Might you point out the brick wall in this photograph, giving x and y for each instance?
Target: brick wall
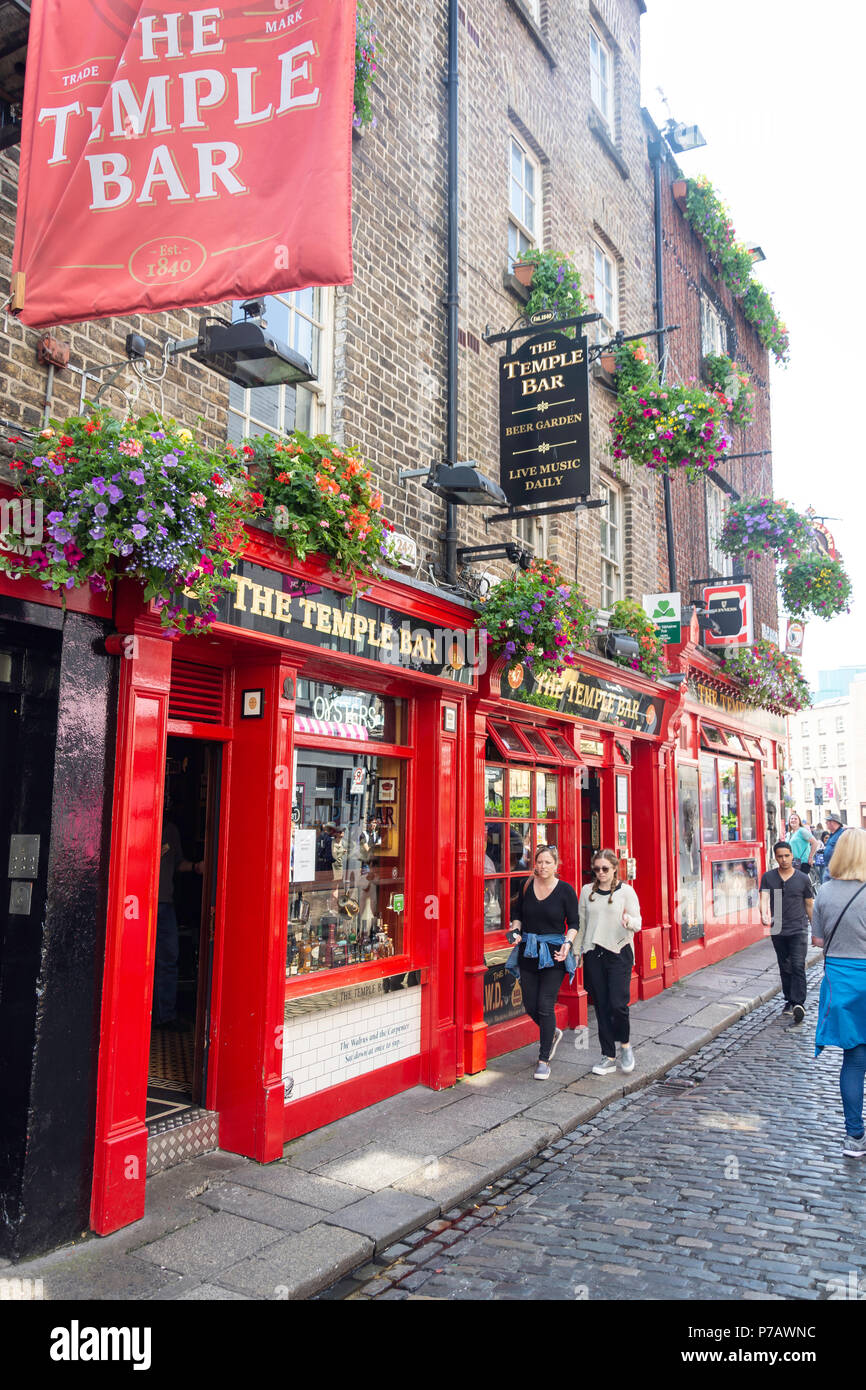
(687, 274)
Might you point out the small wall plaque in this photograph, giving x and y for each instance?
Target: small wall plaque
(252, 704)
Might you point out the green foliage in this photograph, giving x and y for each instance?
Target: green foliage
(665, 427)
(555, 285)
(709, 217)
(732, 388)
(321, 499)
(536, 618)
(814, 583)
(139, 499)
(754, 525)
(366, 68)
(627, 615)
(767, 679)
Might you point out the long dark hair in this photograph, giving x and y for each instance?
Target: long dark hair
(611, 858)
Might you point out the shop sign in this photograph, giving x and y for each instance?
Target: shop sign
(592, 747)
(593, 698)
(731, 607)
(150, 138)
(794, 635)
(280, 605)
(503, 997)
(665, 610)
(544, 420)
(720, 700)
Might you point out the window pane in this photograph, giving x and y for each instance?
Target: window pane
(303, 337)
(728, 790)
(520, 847)
(747, 801)
(709, 802)
(546, 791)
(277, 316)
(529, 178)
(516, 161)
(236, 427)
(493, 849)
(529, 214)
(517, 199)
(494, 894)
(493, 803)
(520, 788)
(303, 300)
(547, 835)
(347, 895)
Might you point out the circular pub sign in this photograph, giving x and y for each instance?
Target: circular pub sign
(515, 676)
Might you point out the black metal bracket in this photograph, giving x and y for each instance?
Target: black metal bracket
(721, 579)
(506, 550)
(518, 513)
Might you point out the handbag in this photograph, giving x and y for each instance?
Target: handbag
(828, 939)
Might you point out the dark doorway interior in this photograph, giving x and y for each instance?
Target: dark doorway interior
(590, 823)
(177, 1071)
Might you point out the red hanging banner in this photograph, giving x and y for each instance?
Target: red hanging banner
(182, 154)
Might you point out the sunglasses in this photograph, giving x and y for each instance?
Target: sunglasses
(603, 869)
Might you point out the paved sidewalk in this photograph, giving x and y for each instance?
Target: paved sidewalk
(224, 1227)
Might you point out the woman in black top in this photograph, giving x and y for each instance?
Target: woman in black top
(545, 925)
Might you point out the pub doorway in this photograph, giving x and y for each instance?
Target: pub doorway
(590, 821)
(180, 1023)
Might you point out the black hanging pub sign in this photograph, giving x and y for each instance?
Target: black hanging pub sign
(544, 420)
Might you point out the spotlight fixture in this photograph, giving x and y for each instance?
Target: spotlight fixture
(464, 484)
(614, 643)
(245, 354)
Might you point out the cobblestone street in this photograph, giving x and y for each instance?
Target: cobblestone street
(724, 1181)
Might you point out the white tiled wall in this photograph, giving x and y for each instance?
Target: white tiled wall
(321, 1050)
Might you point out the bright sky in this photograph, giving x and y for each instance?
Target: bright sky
(778, 101)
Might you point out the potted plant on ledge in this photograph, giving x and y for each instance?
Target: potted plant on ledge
(554, 283)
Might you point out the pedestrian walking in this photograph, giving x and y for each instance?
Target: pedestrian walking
(609, 917)
(836, 827)
(544, 928)
(839, 926)
(804, 844)
(787, 899)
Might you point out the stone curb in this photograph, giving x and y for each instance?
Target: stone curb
(594, 1104)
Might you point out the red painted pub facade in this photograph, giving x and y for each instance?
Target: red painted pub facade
(361, 798)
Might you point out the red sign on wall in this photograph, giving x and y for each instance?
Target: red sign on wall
(182, 154)
(730, 607)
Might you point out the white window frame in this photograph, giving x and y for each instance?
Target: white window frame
(601, 76)
(822, 755)
(242, 415)
(605, 287)
(714, 333)
(534, 8)
(807, 756)
(717, 507)
(523, 232)
(533, 532)
(611, 544)
(841, 755)
(840, 724)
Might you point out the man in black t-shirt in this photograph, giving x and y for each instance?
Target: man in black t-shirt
(786, 907)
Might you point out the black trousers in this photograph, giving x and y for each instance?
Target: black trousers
(540, 989)
(791, 955)
(607, 976)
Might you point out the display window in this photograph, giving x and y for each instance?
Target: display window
(728, 811)
(348, 844)
(522, 809)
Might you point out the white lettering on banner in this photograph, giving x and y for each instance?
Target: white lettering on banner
(178, 102)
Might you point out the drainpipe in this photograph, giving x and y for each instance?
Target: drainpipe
(452, 297)
(656, 154)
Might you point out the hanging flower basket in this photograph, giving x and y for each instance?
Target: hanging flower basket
(732, 388)
(628, 616)
(141, 499)
(321, 499)
(765, 678)
(756, 525)
(535, 617)
(813, 583)
(554, 284)
(668, 428)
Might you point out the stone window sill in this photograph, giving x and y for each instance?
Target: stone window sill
(602, 135)
(512, 283)
(534, 30)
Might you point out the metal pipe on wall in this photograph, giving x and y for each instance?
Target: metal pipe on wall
(656, 154)
(452, 296)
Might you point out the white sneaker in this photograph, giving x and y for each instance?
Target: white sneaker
(557, 1039)
(542, 1072)
(605, 1066)
(626, 1057)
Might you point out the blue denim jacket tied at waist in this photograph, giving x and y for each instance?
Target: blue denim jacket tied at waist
(538, 947)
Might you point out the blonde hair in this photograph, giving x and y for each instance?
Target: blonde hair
(849, 857)
(611, 858)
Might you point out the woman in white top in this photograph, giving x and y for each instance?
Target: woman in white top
(609, 917)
